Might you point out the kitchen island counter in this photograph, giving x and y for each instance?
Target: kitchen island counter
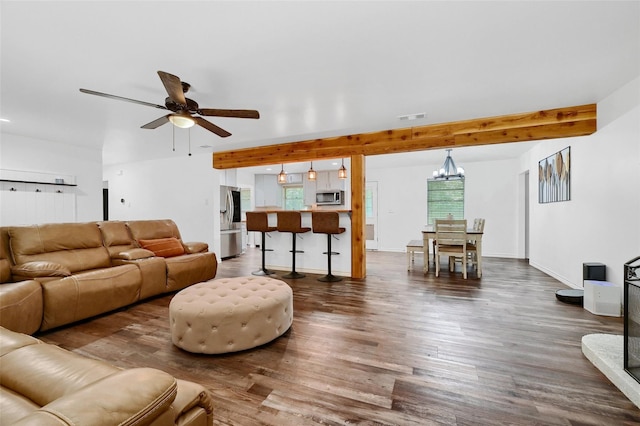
(267, 210)
(312, 261)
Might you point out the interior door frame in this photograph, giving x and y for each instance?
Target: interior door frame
(373, 220)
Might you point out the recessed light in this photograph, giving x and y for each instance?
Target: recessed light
(205, 146)
(5, 120)
(412, 116)
(268, 169)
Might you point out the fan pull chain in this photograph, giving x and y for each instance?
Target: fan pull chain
(189, 142)
(173, 131)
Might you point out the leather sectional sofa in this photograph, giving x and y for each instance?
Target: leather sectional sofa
(56, 274)
(42, 384)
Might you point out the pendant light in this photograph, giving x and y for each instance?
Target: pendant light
(311, 174)
(342, 171)
(282, 176)
(449, 169)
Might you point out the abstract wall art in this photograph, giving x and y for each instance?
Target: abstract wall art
(554, 177)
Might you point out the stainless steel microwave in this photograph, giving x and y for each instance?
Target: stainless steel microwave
(329, 197)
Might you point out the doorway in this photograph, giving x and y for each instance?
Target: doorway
(371, 213)
(105, 200)
(526, 215)
(523, 225)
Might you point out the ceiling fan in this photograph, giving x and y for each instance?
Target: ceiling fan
(182, 108)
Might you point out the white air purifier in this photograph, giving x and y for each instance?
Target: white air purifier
(602, 298)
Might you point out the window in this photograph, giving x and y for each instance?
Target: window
(445, 197)
(293, 197)
(368, 203)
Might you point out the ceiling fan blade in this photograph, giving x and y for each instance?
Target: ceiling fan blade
(173, 86)
(236, 113)
(157, 122)
(120, 98)
(211, 127)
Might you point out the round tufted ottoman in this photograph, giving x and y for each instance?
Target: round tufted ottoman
(230, 314)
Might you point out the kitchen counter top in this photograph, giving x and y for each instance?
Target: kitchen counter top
(304, 211)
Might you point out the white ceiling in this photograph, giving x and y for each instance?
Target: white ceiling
(312, 69)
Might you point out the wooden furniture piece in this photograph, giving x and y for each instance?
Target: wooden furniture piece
(291, 221)
(259, 222)
(413, 246)
(429, 233)
(451, 240)
(472, 248)
(449, 217)
(327, 223)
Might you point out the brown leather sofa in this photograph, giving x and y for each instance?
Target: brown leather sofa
(20, 301)
(42, 384)
(57, 274)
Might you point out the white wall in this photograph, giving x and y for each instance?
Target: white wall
(402, 200)
(601, 221)
(491, 192)
(35, 155)
(184, 189)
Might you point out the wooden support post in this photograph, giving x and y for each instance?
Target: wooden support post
(358, 218)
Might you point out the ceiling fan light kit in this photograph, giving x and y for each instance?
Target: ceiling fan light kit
(183, 108)
(181, 120)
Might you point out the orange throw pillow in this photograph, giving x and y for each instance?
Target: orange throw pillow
(163, 247)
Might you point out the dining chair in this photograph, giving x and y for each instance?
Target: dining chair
(451, 240)
(472, 248)
(449, 217)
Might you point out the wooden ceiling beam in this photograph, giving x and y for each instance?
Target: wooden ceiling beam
(522, 127)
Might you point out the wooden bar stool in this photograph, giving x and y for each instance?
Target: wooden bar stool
(327, 223)
(289, 221)
(259, 222)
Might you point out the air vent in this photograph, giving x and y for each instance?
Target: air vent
(412, 116)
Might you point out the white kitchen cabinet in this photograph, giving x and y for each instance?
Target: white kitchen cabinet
(258, 190)
(229, 177)
(329, 180)
(309, 190)
(267, 191)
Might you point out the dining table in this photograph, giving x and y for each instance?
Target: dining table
(473, 235)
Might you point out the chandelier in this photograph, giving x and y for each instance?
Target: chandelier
(449, 169)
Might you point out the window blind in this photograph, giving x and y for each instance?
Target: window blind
(445, 197)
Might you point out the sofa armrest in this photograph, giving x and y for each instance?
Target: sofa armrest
(5, 271)
(39, 269)
(128, 397)
(133, 254)
(191, 396)
(195, 247)
(21, 307)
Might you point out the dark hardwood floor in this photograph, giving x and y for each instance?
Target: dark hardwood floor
(397, 348)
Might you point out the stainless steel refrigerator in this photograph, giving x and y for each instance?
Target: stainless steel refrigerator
(230, 222)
